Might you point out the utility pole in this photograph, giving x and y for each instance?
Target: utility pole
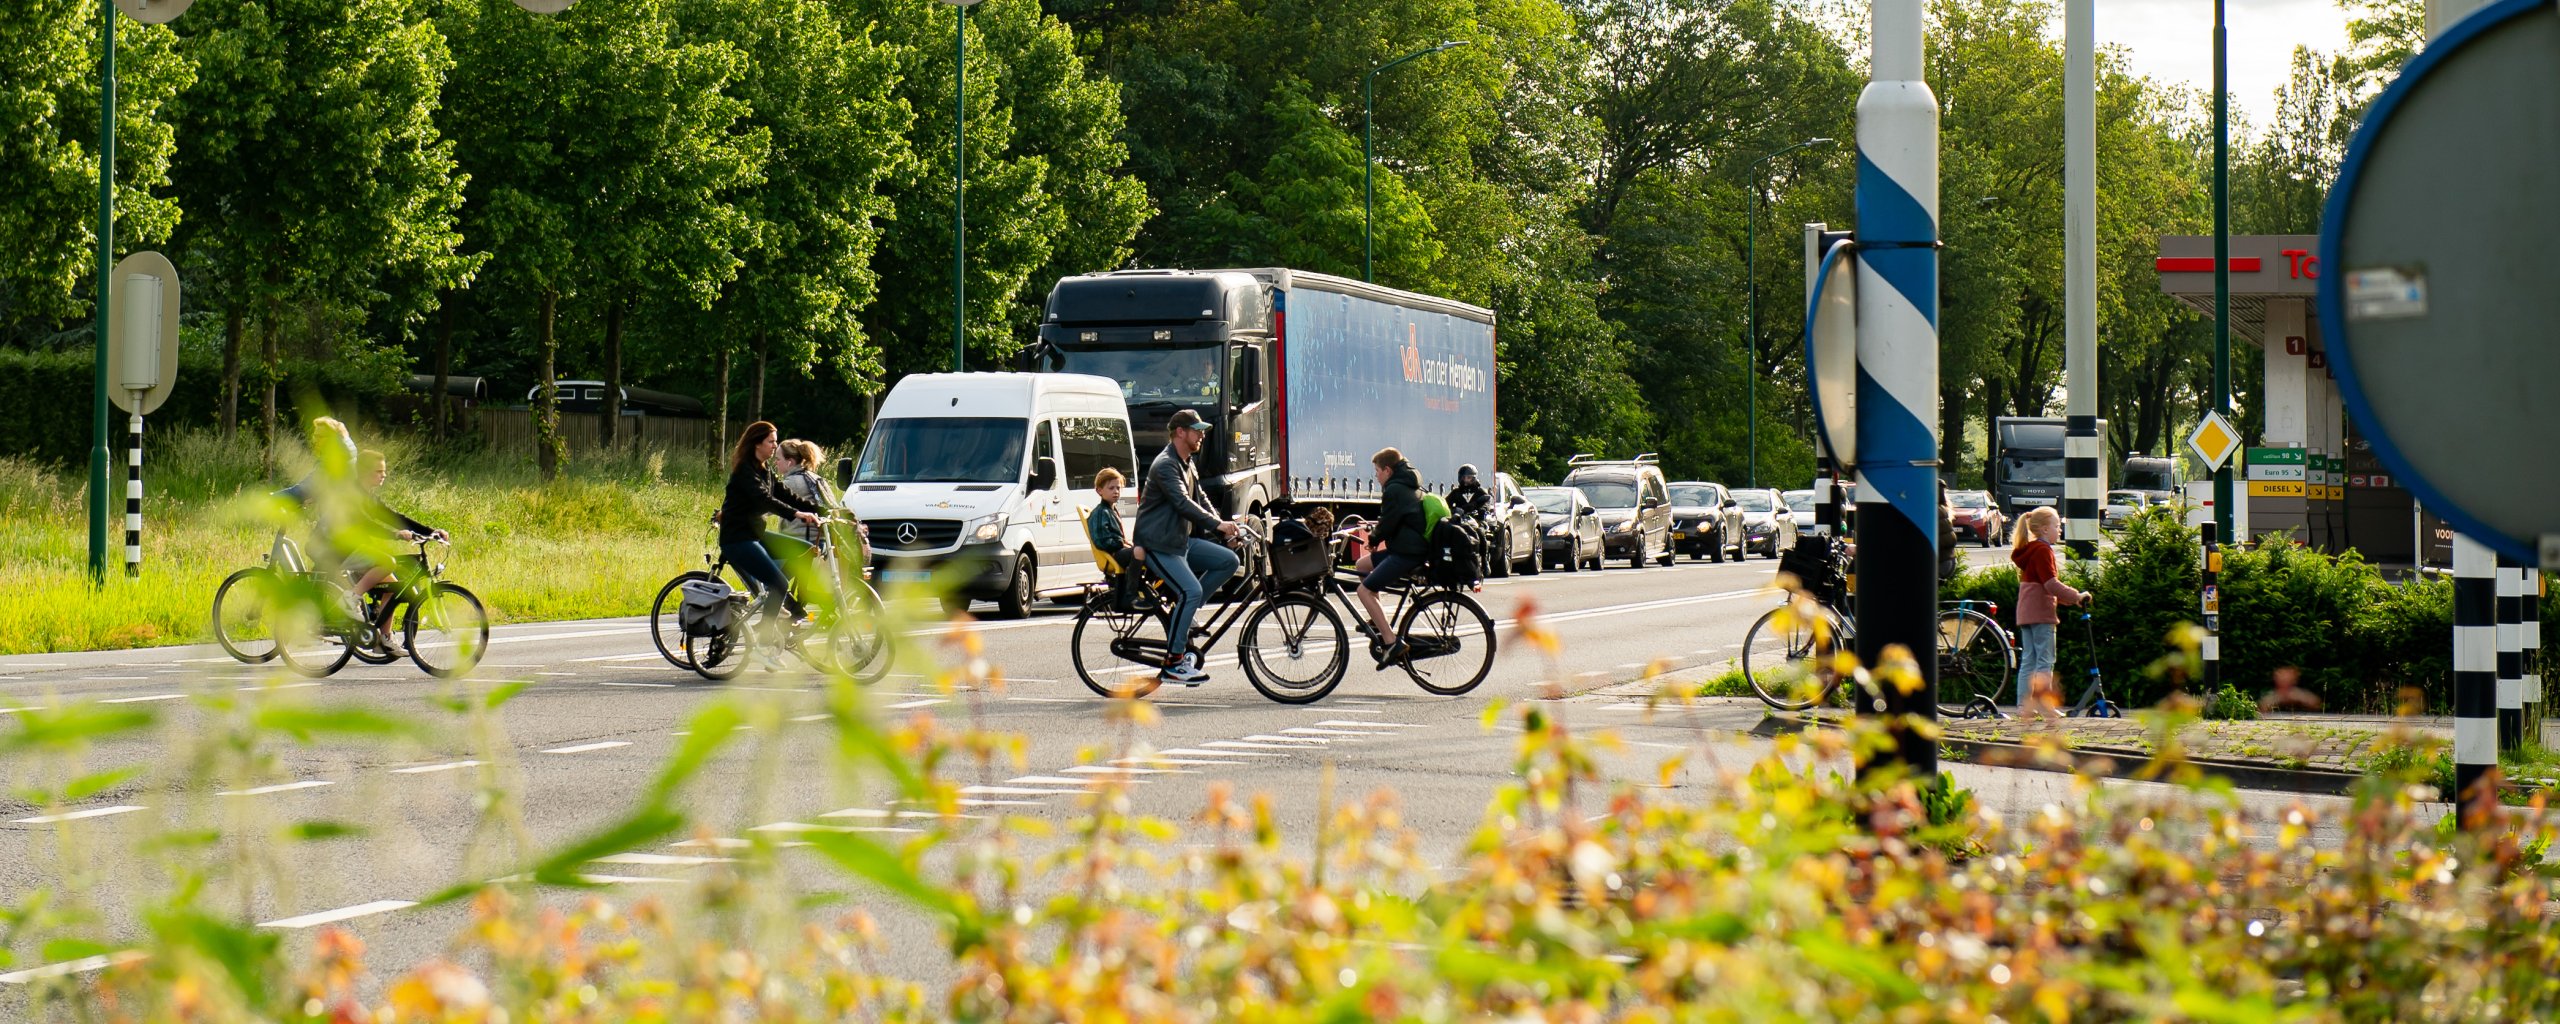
(2084, 480)
(1897, 450)
(106, 273)
(2223, 512)
(960, 184)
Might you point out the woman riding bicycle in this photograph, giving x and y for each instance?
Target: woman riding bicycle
(752, 494)
(1397, 546)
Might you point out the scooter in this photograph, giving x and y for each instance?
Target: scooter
(2093, 703)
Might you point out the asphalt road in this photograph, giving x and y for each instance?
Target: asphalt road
(580, 745)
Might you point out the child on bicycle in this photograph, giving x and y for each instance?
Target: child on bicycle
(2040, 590)
(382, 522)
(1102, 528)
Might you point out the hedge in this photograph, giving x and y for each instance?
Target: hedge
(44, 395)
(2353, 638)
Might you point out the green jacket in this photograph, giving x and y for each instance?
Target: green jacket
(1400, 513)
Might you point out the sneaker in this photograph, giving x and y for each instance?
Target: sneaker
(767, 660)
(1183, 673)
(1391, 653)
(390, 644)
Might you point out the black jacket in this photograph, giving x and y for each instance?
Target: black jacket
(1400, 513)
(753, 494)
(1470, 499)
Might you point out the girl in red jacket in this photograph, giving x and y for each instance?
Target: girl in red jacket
(2040, 590)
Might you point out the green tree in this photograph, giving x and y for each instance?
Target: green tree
(49, 153)
(606, 156)
(309, 150)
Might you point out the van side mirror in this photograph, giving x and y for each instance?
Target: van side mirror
(1652, 502)
(1044, 474)
(844, 473)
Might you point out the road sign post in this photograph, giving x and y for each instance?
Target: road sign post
(141, 367)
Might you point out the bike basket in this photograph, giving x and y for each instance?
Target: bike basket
(707, 607)
(1297, 554)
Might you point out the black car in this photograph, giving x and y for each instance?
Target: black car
(1705, 522)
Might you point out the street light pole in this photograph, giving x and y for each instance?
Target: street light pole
(1369, 153)
(106, 271)
(2222, 499)
(960, 185)
(1751, 299)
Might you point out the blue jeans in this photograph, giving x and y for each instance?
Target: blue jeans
(2035, 655)
(1204, 568)
(763, 574)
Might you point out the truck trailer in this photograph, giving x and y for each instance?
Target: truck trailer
(1301, 376)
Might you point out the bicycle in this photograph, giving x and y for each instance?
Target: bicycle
(323, 628)
(1438, 621)
(1293, 648)
(843, 633)
(1976, 656)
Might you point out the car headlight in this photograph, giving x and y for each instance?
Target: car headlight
(1560, 530)
(1624, 526)
(989, 528)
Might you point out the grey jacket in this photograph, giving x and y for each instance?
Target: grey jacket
(1173, 508)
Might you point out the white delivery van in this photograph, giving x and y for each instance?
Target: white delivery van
(993, 472)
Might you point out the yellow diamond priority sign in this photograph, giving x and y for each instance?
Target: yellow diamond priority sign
(2214, 441)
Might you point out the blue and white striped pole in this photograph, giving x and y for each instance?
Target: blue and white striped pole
(2475, 670)
(1897, 451)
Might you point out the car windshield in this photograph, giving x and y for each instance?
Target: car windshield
(1969, 499)
(1801, 504)
(1693, 496)
(1176, 376)
(1552, 502)
(974, 450)
(1608, 493)
(1755, 501)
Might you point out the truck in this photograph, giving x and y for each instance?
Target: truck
(1300, 376)
(2156, 476)
(2026, 462)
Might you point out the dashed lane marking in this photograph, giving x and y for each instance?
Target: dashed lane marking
(1308, 731)
(654, 686)
(555, 673)
(340, 914)
(925, 703)
(1117, 770)
(972, 802)
(422, 769)
(1376, 725)
(584, 747)
(277, 686)
(1011, 790)
(1178, 762)
(1046, 780)
(1189, 752)
(281, 787)
(1249, 743)
(70, 967)
(138, 700)
(802, 826)
(875, 813)
(94, 812)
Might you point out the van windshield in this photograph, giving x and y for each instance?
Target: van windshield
(969, 450)
(1607, 493)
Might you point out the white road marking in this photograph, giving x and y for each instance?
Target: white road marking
(281, 787)
(340, 914)
(71, 967)
(1356, 711)
(577, 635)
(668, 860)
(1046, 780)
(110, 679)
(1012, 790)
(999, 803)
(802, 826)
(1178, 762)
(1049, 700)
(94, 812)
(584, 747)
(658, 686)
(1307, 731)
(138, 700)
(423, 769)
(555, 673)
(12, 711)
(925, 703)
(645, 656)
(1188, 752)
(873, 812)
(1105, 769)
(277, 686)
(1293, 743)
(819, 717)
(1377, 725)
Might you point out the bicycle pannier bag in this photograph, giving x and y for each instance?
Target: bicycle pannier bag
(707, 609)
(1297, 554)
(1453, 561)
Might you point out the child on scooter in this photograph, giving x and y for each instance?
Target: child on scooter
(2040, 592)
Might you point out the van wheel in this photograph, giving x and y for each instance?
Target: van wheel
(1015, 602)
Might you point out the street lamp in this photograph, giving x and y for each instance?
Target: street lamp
(1751, 299)
(960, 185)
(1369, 154)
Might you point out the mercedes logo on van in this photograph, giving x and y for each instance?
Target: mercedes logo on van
(906, 533)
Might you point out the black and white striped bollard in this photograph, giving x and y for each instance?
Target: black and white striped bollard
(133, 499)
(2081, 486)
(2475, 670)
(2510, 653)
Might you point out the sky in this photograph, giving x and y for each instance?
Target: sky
(2171, 41)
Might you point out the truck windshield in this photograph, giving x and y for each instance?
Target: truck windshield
(2148, 477)
(968, 450)
(1173, 376)
(2032, 469)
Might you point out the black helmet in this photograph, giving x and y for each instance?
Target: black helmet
(1467, 472)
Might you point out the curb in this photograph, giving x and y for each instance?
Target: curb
(2108, 762)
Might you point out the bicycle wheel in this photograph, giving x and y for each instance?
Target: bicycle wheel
(720, 656)
(665, 629)
(1294, 649)
(445, 629)
(1778, 652)
(857, 643)
(1975, 658)
(1448, 641)
(240, 616)
(1104, 637)
(311, 634)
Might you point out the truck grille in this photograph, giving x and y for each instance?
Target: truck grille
(926, 534)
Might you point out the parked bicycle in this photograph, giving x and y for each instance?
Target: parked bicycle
(287, 609)
(1786, 647)
(1293, 648)
(843, 634)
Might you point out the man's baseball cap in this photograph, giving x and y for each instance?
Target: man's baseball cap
(1185, 419)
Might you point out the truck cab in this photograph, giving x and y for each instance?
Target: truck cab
(991, 473)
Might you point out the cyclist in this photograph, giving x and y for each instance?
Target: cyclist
(1396, 546)
(799, 463)
(1173, 518)
(380, 520)
(752, 494)
(335, 449)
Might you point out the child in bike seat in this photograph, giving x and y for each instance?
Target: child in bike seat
(1119, 558)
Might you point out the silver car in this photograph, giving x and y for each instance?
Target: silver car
(1768, 525)
(1568, 528)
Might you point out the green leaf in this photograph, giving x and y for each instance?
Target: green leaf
(67, 728)
(640, 828)
(874, 863)
(302, 722)
(504, 693)
(247, 955)
(75, 949)
(710, 729)
(318, 831)
(1871, 971)
(88, 786)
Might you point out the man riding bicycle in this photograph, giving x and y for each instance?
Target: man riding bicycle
(1174, 517)
(1396, 547)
